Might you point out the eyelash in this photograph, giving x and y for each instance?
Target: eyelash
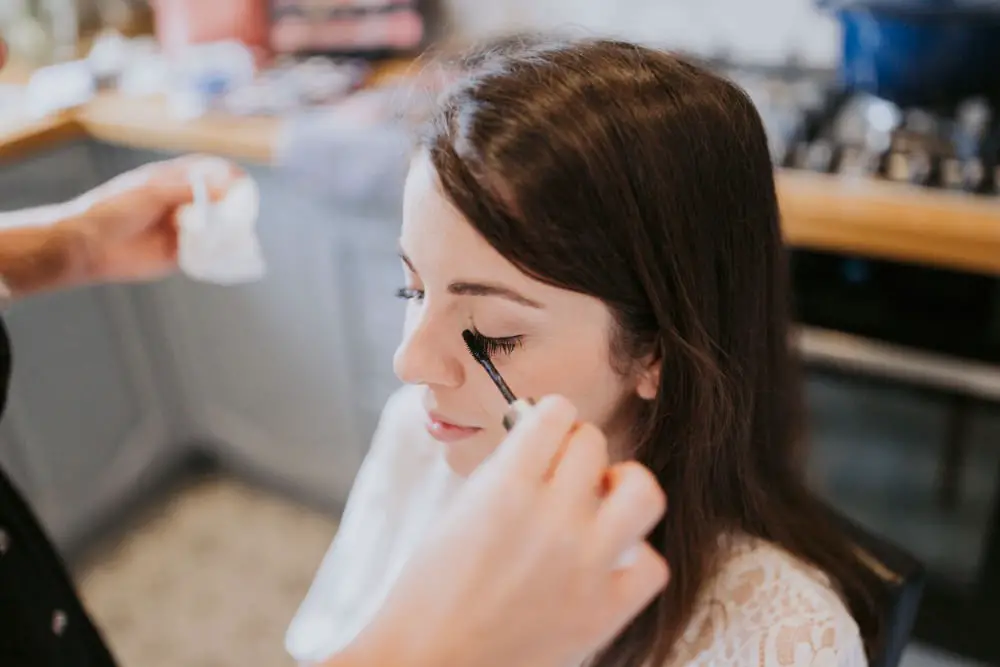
(493, 346)
(409, 294)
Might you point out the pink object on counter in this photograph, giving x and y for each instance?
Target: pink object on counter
(183, 22)
(346, 26)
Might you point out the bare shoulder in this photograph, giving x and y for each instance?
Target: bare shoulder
(766, 608)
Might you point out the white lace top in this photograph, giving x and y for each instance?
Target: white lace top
(764, 609)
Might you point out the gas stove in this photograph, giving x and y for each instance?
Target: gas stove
(814, 125)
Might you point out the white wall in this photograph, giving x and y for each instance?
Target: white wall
(754, 30)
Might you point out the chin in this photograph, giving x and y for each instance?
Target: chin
(463, 466)
(464, 457)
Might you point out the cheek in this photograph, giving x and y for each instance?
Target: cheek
(581, 372)
(575, 371)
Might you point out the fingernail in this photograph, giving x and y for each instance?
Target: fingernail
(516, 411)
(628, 558)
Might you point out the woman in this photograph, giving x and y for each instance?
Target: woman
(604, 218)
(125, 230)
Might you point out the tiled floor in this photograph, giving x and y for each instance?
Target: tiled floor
(210, 580)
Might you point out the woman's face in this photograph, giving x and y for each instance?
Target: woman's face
(546, 340)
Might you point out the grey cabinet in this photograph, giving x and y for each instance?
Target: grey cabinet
(84, 412)
(84, 420)
(369, 275)
(49, 177)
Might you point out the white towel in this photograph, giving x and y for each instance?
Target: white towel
(218, 240)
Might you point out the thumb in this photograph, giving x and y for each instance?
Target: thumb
(173, 191)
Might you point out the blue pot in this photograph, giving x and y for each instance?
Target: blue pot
(929, 53)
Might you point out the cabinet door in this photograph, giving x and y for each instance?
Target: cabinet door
(84, 421)
(84, 406)
(369, 274)
(14, 459)
(48, 178)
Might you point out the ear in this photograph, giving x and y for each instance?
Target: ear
(648, 382)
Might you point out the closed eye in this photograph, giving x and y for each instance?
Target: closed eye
(495, 346)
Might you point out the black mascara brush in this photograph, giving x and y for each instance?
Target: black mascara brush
(478, 352)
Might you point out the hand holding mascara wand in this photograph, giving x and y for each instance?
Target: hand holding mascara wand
(518, 408)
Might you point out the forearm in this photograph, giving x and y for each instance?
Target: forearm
(41, 249)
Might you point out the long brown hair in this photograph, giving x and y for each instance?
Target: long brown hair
(636, 177)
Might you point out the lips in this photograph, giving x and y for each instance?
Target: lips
(443, 430)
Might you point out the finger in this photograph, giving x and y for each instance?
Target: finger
(176, 188)
(635, 503)
(216, 169)
(537, 438)
(634, 587)
(580, 467)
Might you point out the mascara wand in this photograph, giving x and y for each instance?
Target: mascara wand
(478, 352)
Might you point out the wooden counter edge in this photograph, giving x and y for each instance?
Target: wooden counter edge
(32, 137)
(146, 122)
(890, 221)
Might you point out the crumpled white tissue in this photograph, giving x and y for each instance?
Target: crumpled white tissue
(217, 241)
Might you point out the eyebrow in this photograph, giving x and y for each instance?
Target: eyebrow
(469, 288)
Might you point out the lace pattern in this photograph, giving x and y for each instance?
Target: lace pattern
(766, 609)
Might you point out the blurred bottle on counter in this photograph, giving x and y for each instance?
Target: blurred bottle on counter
(180, 23)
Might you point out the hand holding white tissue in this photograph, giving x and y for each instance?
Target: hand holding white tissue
(128, 229)
(217, 241)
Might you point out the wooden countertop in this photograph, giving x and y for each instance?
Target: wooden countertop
(890, 221)
(857, 217)
(147, 123)
(24, 137)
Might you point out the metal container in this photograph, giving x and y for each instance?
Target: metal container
(931, 53)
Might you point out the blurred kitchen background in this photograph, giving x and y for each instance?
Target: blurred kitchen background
(190, 446)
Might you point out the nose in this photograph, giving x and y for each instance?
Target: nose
(427, 355)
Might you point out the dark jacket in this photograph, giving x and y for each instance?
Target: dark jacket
(42, 622)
